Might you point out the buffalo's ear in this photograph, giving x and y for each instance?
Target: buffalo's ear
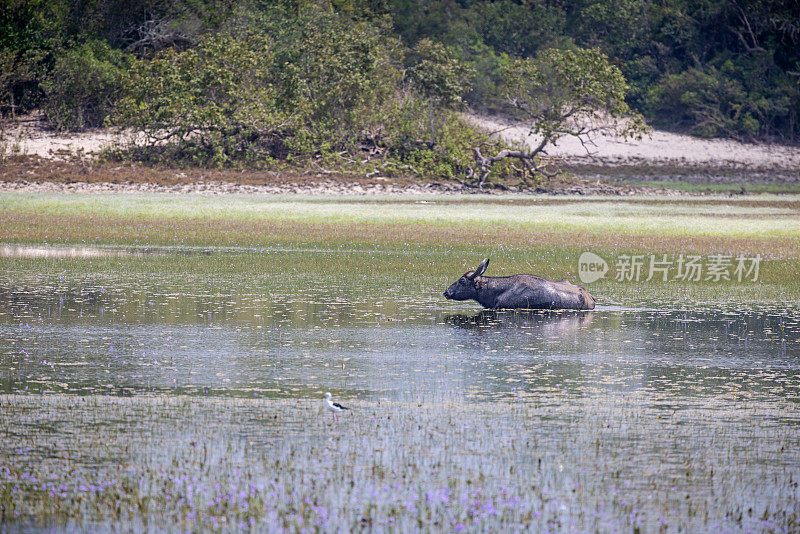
(481, 269)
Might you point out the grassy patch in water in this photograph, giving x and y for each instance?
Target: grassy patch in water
(766, 226)
(607, 462)
(418, 271)
(792, 188)
(743, 187)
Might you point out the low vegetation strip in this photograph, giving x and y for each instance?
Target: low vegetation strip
(714, 225)
(276, 464)
(751, 219)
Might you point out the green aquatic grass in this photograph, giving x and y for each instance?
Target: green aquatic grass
(622, 448)
(374, 267)
(758, 218)
(570, 464)
(707, 187)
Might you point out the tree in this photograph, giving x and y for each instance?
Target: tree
(440, 80)
(210, 102)
(560, 93)
(296, 87)
(83, 85)
(30, 32)
(438, 75)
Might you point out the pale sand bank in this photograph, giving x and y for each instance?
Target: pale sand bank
(660, 148)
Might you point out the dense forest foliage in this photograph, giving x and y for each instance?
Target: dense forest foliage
(379, 83)
(727, 68)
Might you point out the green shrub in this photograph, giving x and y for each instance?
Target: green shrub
(30, 33)
(437, 75)
(714, 102)
(207, 105)
(82, 88)
(319, 91)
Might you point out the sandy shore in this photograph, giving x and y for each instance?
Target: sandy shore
(30, 137)
(659, 149)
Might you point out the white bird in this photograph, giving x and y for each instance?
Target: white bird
(334, 407)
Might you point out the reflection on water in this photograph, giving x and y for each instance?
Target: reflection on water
(27, 251)
(288, 333)
(559, 321)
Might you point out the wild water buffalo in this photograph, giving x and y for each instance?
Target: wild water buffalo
(518, 291)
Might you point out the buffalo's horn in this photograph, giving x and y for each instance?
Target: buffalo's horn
(480, 270)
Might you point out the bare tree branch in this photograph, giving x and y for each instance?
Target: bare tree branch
(483, 164)
(750, 47)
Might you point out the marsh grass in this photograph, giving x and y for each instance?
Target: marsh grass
(605, 462)
(743, 185)
(425, 270)
(611, 438)
(769, 225)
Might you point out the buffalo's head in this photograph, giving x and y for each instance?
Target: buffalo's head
(466, 287)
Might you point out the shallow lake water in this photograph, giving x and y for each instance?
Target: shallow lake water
(293, 333)
(231, 327)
